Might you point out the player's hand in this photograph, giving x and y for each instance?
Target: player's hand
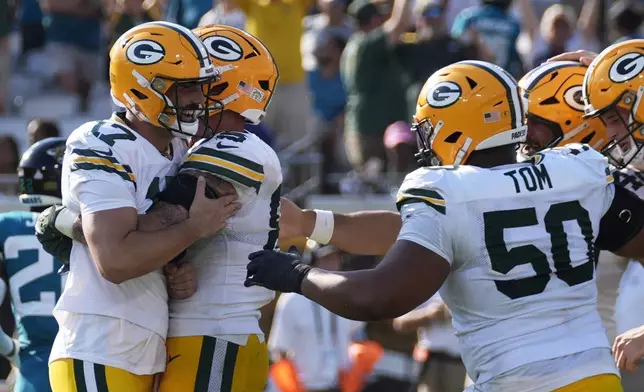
(628, 349)
(277, 271)
(291, 220)
(583, 56)
(208, 216)
(53, 241)
(182, 280)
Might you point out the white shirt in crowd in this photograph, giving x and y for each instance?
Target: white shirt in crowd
(440, 337)
(316, 340)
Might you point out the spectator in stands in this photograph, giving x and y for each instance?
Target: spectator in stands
(496, 28)
(559, 31)
(187, 12)
(400, 143)
(437, 348)
(125, 14)
(39, 129)
(278, 24)
(6, 22)
(372, 79)
(313, 339)
(417, 53)
(32, 31)
(73, 31)
(626, 17)
(559, 26)
(224, 12)
(328, 98)
(333, 20)
(9, 154)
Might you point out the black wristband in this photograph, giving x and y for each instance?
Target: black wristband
(181, 191)
(300, 271)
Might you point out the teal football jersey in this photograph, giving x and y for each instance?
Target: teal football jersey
(35, 287)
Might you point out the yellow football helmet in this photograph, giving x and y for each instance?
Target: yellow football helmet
(555, 108)
(248, 72)
(464, 107)
(615, 80)
(149, 60)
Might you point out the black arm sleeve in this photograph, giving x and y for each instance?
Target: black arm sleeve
(181, 191)
(623, 220)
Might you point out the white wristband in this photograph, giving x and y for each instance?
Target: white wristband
(65, 222)
(323, 229)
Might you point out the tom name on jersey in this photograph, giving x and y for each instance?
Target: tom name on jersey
(530, 178)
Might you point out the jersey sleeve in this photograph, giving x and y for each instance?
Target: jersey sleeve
(427, 227)
(423, 211)
(99, 178)
(235, 162)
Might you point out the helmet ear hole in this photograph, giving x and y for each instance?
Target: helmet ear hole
(550, 101)
(453, 137)
(588, 138)
(138, 94)
(264, 84)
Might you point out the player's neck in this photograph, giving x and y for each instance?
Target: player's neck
(498, 156)
(160, 138)
(231, 121)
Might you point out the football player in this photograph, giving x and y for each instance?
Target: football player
(555, 118)
(214, 340)
(510, 245)
(613, 91)
(113, 313)
(28, 271)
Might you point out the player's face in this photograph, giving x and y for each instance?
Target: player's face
(190, 100)
(616, 121)
(539, 135)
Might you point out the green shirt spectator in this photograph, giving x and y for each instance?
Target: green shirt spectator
(372, 79)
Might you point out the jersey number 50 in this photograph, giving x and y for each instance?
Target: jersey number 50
(504, 260)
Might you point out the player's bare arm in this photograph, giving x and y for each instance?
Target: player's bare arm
(120, 249)
(407, 276)
(361, 233)
(164, 214)
(583, 56)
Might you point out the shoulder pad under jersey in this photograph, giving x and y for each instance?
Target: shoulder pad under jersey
(238, 157)
(426, 185)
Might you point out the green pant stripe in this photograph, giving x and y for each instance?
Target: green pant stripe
(101, 379)
(205, 363)
(229, 367)
(79, 375)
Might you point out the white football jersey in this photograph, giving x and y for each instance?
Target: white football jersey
(222, 305)
(520, 242)
(611, 267)
(108, 165)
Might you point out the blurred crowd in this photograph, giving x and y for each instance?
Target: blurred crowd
(350, 74)
(350, 70)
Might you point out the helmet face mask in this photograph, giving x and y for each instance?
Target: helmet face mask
(625, 148)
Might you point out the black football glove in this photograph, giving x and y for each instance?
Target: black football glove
(277, 271)
(52, 240)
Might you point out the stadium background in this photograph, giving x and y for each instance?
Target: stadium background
(53, 78)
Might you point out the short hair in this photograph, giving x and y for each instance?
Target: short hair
(13, 145)
(49, 128)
